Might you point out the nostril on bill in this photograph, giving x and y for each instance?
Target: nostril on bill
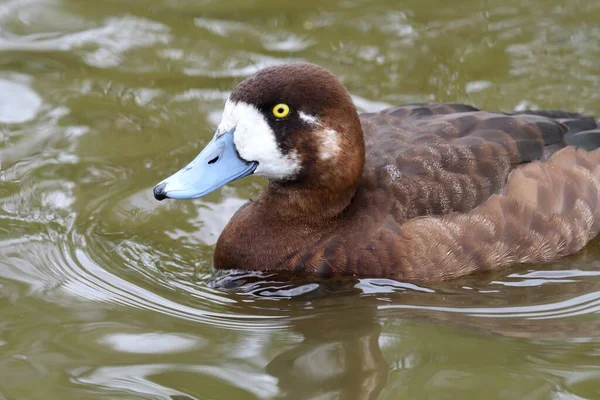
(214, 160)
(159, 191)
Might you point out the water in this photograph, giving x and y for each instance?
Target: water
(107, 294)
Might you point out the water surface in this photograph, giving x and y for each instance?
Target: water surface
(107, 294)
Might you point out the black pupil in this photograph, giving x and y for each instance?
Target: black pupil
(280, 110)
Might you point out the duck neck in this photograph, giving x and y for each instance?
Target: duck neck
(312, 205)
(325, 188)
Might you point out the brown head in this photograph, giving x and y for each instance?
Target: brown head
(294, 124)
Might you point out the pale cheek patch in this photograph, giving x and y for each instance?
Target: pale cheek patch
(255, 141)
(329, 144)
(309, 119)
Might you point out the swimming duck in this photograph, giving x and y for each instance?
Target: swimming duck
(419, 192)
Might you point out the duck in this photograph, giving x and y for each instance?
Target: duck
(416, 192)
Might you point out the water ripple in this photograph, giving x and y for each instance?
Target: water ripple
(107, 292)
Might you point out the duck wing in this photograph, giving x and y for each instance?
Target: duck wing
(440, 158)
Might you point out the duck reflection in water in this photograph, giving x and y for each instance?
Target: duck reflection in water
(343, 340)
(339, 355)
(339, 359)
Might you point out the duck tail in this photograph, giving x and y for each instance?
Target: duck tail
(584, 136)
(584, 130)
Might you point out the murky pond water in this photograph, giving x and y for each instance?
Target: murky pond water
(106, 293)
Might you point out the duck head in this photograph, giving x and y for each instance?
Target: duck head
(294, 124)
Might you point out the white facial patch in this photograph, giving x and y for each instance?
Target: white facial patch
(255, 141)
(329, 144)
(310, 119)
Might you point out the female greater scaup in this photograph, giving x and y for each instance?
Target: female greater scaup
(415, 192)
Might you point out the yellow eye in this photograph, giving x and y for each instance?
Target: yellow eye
(281, 110)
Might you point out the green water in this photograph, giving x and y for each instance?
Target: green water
(107, 294)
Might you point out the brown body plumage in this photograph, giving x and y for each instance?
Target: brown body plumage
(416, 192)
